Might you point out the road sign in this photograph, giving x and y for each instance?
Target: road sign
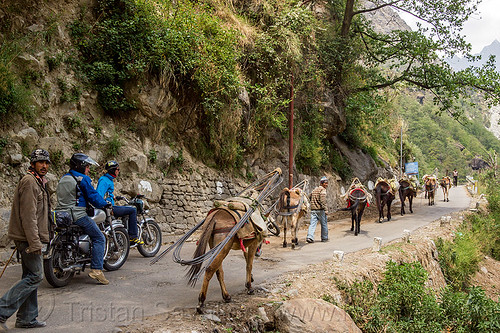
(411, 168)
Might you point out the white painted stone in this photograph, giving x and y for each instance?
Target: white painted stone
(377, 244)
(338, 255)
(406, 236)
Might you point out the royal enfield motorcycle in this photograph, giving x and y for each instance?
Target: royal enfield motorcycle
(149, 231)
(70, 249)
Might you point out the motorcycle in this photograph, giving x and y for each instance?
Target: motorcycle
(69, 251)
(148, 230)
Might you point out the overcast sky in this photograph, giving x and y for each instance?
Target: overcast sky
(482, 28)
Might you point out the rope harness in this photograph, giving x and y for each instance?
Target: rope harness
(296, 208)
(266, 185)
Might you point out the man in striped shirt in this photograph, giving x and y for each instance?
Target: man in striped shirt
(318, 211)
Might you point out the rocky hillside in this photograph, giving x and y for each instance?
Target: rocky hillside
(60, 112)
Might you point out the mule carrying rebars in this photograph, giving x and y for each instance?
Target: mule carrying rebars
(266, 185)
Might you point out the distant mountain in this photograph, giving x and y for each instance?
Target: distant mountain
(458, 63)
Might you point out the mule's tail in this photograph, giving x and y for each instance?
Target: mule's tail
(352, 207)
(200, 250)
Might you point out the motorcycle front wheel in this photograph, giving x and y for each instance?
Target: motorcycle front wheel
(116, 257)
(151, 236)
(273, 228)
(53, 271)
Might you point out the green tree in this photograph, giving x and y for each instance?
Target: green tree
(407, 57)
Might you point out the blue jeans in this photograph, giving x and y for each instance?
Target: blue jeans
(22, 297)
(120, 211)
(98, 241)
(315, 216)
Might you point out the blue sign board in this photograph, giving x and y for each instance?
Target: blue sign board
(411, 168)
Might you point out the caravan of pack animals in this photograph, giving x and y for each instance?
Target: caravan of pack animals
(237, 223)
(241, 223)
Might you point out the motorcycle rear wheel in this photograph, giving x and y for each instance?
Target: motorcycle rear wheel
(151, 236)
(115, 258)
(53, 271)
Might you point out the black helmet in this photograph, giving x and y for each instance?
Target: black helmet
(39, 155)
(111, 167)
(79, 161)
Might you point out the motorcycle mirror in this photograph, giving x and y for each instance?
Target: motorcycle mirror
(371, 185)
(342, 190)
(119, 198)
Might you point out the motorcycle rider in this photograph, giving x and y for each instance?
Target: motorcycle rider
(106, 188)
(74, 192)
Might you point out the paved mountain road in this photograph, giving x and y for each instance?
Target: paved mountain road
(138, 290)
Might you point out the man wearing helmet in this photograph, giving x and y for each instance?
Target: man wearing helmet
(106, 188)
(74, 191)
(29, 228)
(318, 211)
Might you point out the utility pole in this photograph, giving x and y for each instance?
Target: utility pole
(401, 151)
(290, 137)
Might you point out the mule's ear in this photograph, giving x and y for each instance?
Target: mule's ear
(297, 191)
(286, 189)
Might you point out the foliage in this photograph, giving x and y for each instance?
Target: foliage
(57, 158)
(14, 96)
(153, 155)
(184, 40)
(368, 124)
(478, 235)
(413, 57)
(310, 157)
(442, 142)
(402, 303)
(3, 144)
(470, 312)
(459, 259)
(113, 146)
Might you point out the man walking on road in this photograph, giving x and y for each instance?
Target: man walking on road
(318, 211)
(455, 177)
(29, 228)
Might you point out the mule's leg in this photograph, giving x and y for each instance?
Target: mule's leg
(353, 220)
(209, 273)
(220, 276)
(358, 222)
(402, 199)
(380, 208)
(410, 201)
(293, 230)
(249, 256)
(285, 223)
(389, 202)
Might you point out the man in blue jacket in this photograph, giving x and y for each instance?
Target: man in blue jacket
(73, 191)
(106, 188)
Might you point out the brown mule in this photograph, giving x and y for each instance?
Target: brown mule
(430, 188)
(292, 206)
(218, 224)
(445, 184)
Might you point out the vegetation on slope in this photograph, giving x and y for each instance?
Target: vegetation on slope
(401, 302)
(438, 141)
(212, 54)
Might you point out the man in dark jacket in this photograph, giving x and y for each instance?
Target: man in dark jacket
(29, 228)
